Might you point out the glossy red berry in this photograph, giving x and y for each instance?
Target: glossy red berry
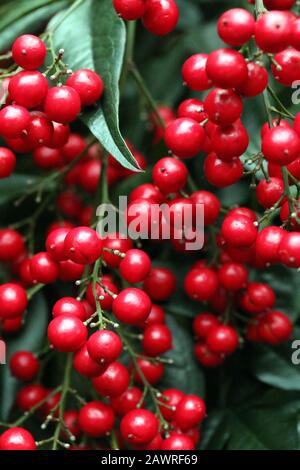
(169, 175)
(28, 89)
(39, 131)
(62, 104)
(256, 81)
(14, 120)
(201, 284)
(30, 396)
(146, 191)
(192, 108)
(152, 371)
(84, 364)
(190, 411)
(273, 31)
(7, 162)
(113, 381)
(287, 70)
(268, 242)
(279, 4)
(70, 271)
(17, 439)
(139, 426)
(71, 423)
(114, 242)
(131, 306)
(295, 34)
(13, 300)
(46, 158)
(11, 244)
(83, 245)
(130, 9)
(230, 141)
(280, 145)
(60, 135)
(96, 419)
(203, 323)
(127, 401)
(236, 26)
(104, 346)
(238, 230)
(160, 284)
(184, 137)
(194, 73)
(55, 243)
(274, 327)
(88, 85)
(170, 397)
(288, 250)
(227, 68)
(69, 306)
(223, 106)
(261, 295)
(43, 268)
(74, 146)
(156, 316)
(135, 266)
(233, 276)
(157, 339)
(67, 333)
(211, 205)
(269, 192)
(104, 294)
(222, 339)
(222, 174)
(178, 442)
(29, 52)
(24, 365)
(160, 17)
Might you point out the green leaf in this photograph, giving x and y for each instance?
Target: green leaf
(96, 40)
(29, 23)
(273, 366)
(185, 371)
(12, 11)
(215, 431)
(14, 186)
(30, 338)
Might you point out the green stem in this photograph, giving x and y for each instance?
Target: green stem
(33, 290)
(129, 49)
(287, 192)
(280, 104)
(94, 286)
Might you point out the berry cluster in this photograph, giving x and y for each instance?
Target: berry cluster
(158, 16)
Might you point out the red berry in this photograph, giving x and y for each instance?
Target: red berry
(192, 108)
(28, 89)
(146, 191)
(230, 141)
(156, 316)
(127, 401)
(223, 106)
(194, 73)
(261, 295)
(131, 306)
(74, 146)
(295, 34)
(24, 365)
(157, 339)
(29, 52)
(206, 357)
(185, 137)
(139, 426)
(152, 371)
(135, 266)
(222, 339)
(43, 269)
(256, 81)
(88, 85)
(238, 230)
(226, 68)
(211, 205)
(96, 419)
(201, 284)
(203, 323)
(273, 31)
(160, 284)
(13, 300)
(83, 245)
(178, 442)
(236, 26)
(62, 104)
(288, 250)
(69, 306)
(60, 135)
(67, 333)
(274, 327)
(39, 131)
(279, 4)
(190, 412)
(161, 16)
(268, 242)
(89, 175)
(71, 423)
(233, 276)
(17, 439)
(70, 271)
(222, 174)
(29, 396)
(84, 364)
(115, 242)
(130, 9)
(11, 244)
(55, 243)
(170, 175)
(113, 381)
(287, 71)
(105, 298)
(7, 162)
(280, 145)
(104, 346)
(170, 397)
(269, 192)
(14, 120)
